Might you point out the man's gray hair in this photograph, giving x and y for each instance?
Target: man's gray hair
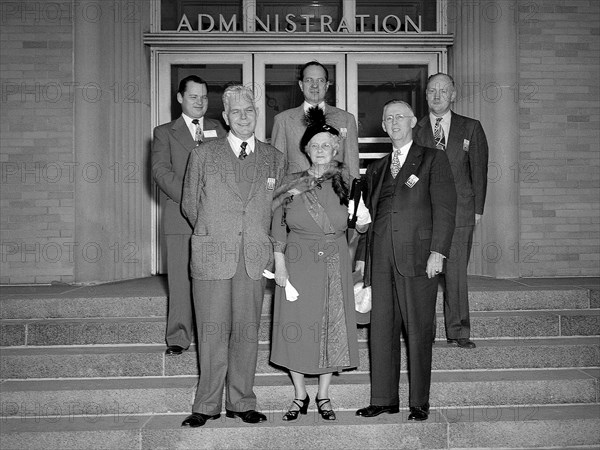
(394, 101)
(239, 91)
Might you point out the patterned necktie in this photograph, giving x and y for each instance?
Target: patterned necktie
(438, 134)
(243, 153)
(395, 166)
(198, 135)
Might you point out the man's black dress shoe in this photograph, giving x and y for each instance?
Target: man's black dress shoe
(462, 342)
(375, 410)
(419, 412)
(251, 416)
(174, 350)
(195, 420)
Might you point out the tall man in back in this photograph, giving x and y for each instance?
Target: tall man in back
(464, 141)
(227, 195)
(171, 148)
(410, 195)
(289, 126)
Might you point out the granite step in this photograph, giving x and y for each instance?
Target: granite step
(349, 391)
(151, 330)
(138, 360)
(105, 301)
(555, 426)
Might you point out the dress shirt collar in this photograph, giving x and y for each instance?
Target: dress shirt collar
(446, 118)
(403, 152)
(190, 125)
(235, 143)
(308, 105)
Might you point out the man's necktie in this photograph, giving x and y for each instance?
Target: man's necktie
(198, 135)
(243, 153)
(395, 166)
(438, 134)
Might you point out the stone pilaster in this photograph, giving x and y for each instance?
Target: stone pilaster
(111, 141)
(484, 64)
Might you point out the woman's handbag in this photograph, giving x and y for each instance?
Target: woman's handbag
(362, 299)
(355, 193)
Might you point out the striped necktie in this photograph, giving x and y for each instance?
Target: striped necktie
(438, 134)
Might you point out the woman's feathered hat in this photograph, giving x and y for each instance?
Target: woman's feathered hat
(316, 123)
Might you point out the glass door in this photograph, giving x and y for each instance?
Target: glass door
(373, 79)
(219, 71)
(276, 78)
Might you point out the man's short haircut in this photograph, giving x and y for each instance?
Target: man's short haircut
(394, 101)
(237, 90)
(444, 74)
(313, 63)
(195, 78)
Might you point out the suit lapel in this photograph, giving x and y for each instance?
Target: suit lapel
(426, 133)
(223, 155)
(457, 131)
(260, 168)
(182, 134)
(412, 162)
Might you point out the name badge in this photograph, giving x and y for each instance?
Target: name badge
(466, 145)
(270, 184)
(210, 133)
(343, 132)
(412, 180)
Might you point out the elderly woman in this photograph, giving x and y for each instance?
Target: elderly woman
(316, 333)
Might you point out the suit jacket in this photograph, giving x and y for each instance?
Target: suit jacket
(221, 218)
(467, 150)
(171, 149)
(289, 126)
(422, 217)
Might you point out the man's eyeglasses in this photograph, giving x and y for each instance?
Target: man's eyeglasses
(397, 118)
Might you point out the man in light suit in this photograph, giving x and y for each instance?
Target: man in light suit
(227, 194)
(171, 148)
(289, 125)
(464, 141)
(411, 198)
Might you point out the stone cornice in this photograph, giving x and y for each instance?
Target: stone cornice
(325, 42)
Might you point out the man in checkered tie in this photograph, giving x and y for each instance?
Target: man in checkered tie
(464, 142)
(171, 149)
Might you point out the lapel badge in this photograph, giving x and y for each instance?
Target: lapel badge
(466, 145)
(343, 132)
(412, 180)
(270, 184)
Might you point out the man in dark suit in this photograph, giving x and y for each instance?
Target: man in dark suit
(227, 195)
(289, 126)
(465, 143)
(171, 148)
(411, 198)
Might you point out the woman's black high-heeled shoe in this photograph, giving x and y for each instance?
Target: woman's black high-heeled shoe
(327, 414)
(293, 415)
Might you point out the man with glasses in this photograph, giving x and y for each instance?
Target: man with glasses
(464, 141)
(289, 125)
(411, 198)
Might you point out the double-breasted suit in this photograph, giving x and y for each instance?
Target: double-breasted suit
(467, 151)
(413, 215)
(171, 149)
(228, 202)
(289, 126)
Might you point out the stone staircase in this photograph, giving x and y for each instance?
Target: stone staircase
(84, 368)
